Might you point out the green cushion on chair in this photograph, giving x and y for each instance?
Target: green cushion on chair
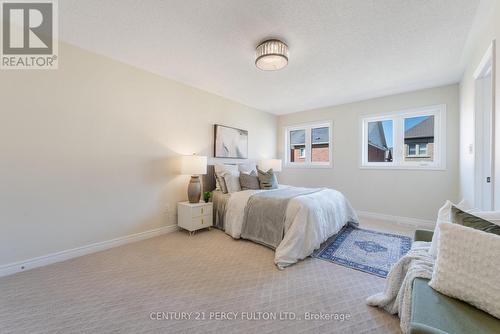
(433, 312)
(423, 235)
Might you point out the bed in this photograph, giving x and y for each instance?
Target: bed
(310, 217)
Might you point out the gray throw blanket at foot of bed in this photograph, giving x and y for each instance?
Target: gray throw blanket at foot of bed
(396, 297)
(265, 213)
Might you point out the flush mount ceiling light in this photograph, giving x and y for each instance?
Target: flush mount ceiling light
(271, 55)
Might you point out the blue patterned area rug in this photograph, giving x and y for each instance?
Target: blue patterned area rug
(369, 251)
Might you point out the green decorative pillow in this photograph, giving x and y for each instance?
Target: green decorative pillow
(469, 220)
(267, 180)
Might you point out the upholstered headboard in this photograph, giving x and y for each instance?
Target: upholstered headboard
(209, 179)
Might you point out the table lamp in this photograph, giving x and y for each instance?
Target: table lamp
(267, 164)
(194, 165)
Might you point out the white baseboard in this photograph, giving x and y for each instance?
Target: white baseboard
(16, 267)
(404, 221)
(12, 268)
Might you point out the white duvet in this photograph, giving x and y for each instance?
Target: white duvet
(310, 220)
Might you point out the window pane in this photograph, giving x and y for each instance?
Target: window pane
(419, 138)
(422, 149)
(298, 146)
(412, 149)
(380, 144)
(320, 142)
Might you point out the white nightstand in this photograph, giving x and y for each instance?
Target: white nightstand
(194, 216)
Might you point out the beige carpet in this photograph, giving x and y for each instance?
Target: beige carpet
(115, 291)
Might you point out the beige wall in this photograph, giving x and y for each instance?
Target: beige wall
(404, 193)
(487, 30)
(86, 151)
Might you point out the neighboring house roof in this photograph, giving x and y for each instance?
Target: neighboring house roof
(319, 135)
(376, 136)
(421, 130)
(298, 137)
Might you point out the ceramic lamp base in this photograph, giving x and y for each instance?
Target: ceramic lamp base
(194, 189)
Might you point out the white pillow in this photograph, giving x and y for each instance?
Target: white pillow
(468, 267)
(444, 216)
(232, 182)
(247, 168)
(221, 168)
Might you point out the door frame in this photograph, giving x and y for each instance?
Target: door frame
(485, 68)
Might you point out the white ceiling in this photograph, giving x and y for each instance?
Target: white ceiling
(340, 50)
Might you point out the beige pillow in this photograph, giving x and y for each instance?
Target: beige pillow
(221, 184)
(468, 267)
(220, 170)
(232, 183)
(247, 168)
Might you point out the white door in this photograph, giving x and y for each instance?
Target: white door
(487, 188)
(484, 134)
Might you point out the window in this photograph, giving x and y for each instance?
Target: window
(380, 137)
(416, 151)
(320, 144)
(411, 139)
(309, 145)
(297, 146)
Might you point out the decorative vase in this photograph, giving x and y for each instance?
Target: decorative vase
(194, 189)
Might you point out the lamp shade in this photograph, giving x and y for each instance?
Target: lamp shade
(267, 164)
(193, 165)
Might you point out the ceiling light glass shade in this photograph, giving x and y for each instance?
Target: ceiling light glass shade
(271, 55)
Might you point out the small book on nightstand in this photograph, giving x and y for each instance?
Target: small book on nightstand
(194, 216)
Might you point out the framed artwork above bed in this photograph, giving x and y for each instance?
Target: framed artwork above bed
(230, 142)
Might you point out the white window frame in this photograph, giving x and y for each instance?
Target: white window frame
(398, 162)
(308, 145)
